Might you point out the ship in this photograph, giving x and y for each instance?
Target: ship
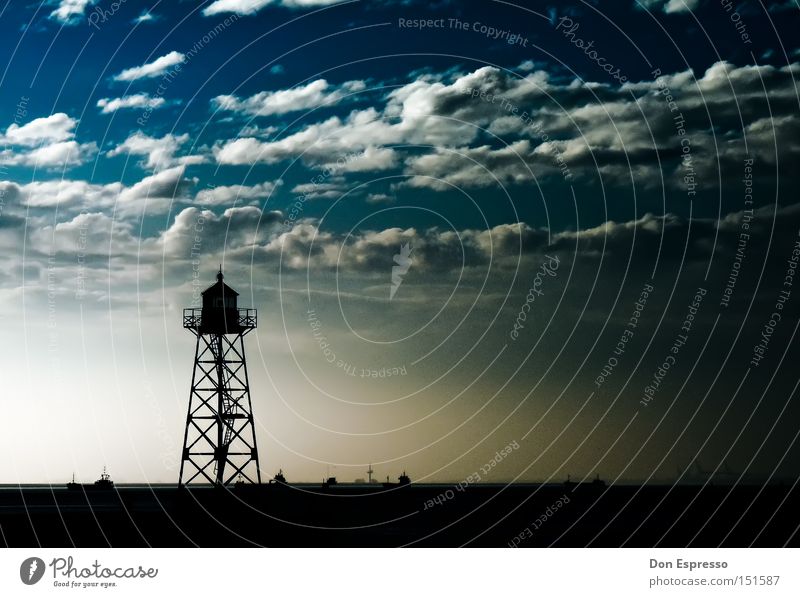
(597, 482)
(402, 481)
(278, 479)
(104, 482)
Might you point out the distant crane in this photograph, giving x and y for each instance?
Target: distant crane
(369, 473)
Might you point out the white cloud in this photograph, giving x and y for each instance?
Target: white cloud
(235, 231)
(239, 151)
(160, 152)
(53, 128)
(378, 198)
(151, 69)
(51, 139)
(225, 195)
(163, 186)
(333, 189)
(63, 192)
(669, 6)
(570, 129)
(265, 103)
(476, 167)
(52, 143)
(372, 159)
(305, 246)
(413, 114)
(138, 100)
(145, 17)
(242, 7)
(69, 11)
(674, 6)
(56, 155)
(249, 7)
(158, 189)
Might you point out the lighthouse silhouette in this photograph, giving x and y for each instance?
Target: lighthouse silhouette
(219, 443)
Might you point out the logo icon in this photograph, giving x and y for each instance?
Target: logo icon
(31, 570)
(403, 261)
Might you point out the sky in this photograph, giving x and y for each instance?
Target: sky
(569, 227)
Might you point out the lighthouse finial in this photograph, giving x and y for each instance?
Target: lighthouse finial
(219, 274)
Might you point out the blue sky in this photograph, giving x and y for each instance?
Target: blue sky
(302, 144)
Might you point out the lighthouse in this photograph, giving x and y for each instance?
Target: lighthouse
(219, 442)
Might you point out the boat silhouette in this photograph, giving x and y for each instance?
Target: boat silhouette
(104, 482)
(402, 481)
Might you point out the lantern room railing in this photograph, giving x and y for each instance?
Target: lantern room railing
(242, 318)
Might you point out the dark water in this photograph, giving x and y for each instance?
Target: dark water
(426, 515)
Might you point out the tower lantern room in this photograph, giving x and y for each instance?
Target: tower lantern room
(220, 312)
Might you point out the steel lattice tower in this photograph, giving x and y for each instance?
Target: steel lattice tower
(219, 444)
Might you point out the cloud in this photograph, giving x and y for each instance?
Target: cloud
(379, 198)
(332, 189)
(163, 186)
(156, 192)
(226, 195)
(372, 159)
(234, 232)
(305, 246)
(477, 167)
(669, 6)
(70, 11)
(145, 17)
(159, 152)
(48, 142)
(151, 69)
(62, 193)
(566, 128)
(424, 112)
(53, 128)
(785, 5)
(138, 100)
(266, 103)
(55, 155)
(250, 7)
